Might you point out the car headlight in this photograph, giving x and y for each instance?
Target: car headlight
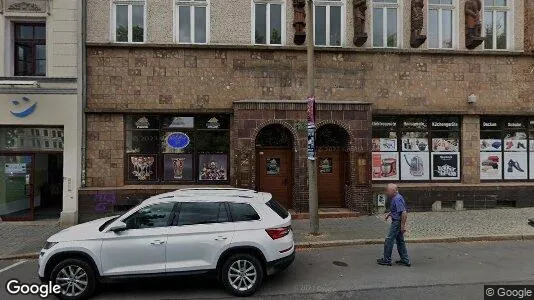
(48, 245)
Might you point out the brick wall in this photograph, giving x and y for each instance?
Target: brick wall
(177, 78)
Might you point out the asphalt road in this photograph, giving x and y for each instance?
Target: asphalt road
(439, 271)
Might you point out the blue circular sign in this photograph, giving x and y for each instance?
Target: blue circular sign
(178, 140)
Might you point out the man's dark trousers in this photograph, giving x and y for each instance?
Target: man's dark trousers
(395, 235)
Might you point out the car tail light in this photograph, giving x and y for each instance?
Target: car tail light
(278, 233)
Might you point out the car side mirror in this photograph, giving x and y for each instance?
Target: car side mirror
(117, 226)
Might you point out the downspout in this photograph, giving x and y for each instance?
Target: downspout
(84, 93)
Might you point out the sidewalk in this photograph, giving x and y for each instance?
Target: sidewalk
(27, 238)
(491, 224)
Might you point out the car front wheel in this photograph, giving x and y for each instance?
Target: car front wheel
(76, 279)
(242, 274)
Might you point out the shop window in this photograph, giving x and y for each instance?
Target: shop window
(385, 23)
(268, 21)
(329, 22)
(30, 49)
(505, 149)
(496, 24)
(192, 21)
(416, 149)
(441, 23)
(171, 149)
(17, 139)
(129, 19)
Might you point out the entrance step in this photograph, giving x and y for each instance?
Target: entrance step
(326, 213)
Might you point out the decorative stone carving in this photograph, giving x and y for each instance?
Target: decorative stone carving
(417, 20)
(299, 21)
(25, 6)
(358, 9)
(473, 26)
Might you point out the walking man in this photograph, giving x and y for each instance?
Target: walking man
(396, 231)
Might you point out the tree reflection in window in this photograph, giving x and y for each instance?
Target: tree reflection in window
(274, 135)
(150, 217)
(331, 135)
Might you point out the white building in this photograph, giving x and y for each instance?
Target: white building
(40, 109)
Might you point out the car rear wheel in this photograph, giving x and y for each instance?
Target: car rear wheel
(242, 274)
(76, 279)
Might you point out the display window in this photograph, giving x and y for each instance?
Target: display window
(409, 148)
(174, 148)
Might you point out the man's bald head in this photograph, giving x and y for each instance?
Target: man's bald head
(391, 190)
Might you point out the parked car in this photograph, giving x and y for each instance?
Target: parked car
(239, 235)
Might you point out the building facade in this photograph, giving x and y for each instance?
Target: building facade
(432, 95)
(40, 109)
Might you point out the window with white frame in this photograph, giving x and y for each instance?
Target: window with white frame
(268, 22)
(385, 23)
(329, 22)
(440, 23)
(192, 17)
(496, 24)
(129, 20)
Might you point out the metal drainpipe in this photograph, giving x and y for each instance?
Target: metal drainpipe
(84, 92)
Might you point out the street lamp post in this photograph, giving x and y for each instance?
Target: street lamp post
(312, 163)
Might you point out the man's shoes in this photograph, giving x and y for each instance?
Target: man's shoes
(403, 263)
(383, 262)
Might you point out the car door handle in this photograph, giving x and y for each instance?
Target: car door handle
(157, 242)
(221, 238)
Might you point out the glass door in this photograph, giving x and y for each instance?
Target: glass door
(16, 187)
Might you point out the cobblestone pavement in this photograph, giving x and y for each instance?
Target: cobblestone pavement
(25, 237)
(454, 224)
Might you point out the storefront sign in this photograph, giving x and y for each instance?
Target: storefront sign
(213, 123)
(24, 108)
(384, 124)
(142, 123)
(178, 140)
(15, 168)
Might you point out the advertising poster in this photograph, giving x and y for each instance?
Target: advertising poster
(490, 145)
(446, 166)
(515, 165)
(490, 165)
(142, 168)
(531, 164)
(384, 144)
(515, 145)
(385, 166)
(415, 166)
(213, 167)
(445, 145)
(414, 141)
(178, 167)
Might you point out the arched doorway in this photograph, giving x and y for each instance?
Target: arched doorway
(333, 167)
(274, 162)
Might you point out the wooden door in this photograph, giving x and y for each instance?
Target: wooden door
(330, 178)
(275, 174)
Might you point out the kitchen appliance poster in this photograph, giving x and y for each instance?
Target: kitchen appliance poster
(384, 144)
(445, 166)
(415, 166)
(385, 166)
(445, 145)
(490, 165)
(414, 141)
(515, 165)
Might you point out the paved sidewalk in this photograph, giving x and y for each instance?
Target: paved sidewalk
(454, 225)
(22, 238)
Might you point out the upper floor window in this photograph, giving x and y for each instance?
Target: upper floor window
(192, 21)
(496, 24)
(385, 23)
(30, 49)
(329, 22)
(440, 23)
(129, 21)
(268, 22)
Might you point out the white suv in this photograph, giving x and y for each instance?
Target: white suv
(241, 235)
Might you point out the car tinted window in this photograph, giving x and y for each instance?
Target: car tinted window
(202, 213)
(156, 215)
(277, 208)
(243, 212)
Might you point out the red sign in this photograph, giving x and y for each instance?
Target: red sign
(311, 110)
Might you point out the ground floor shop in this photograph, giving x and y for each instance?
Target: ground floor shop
(39, 155)
(482, 161)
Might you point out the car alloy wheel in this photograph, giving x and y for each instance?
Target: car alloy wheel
(242, 275)
(73, 280)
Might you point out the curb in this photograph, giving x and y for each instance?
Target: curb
(33, 255)
(459, 239)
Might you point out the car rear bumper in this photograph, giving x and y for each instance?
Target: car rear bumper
(280, 264)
